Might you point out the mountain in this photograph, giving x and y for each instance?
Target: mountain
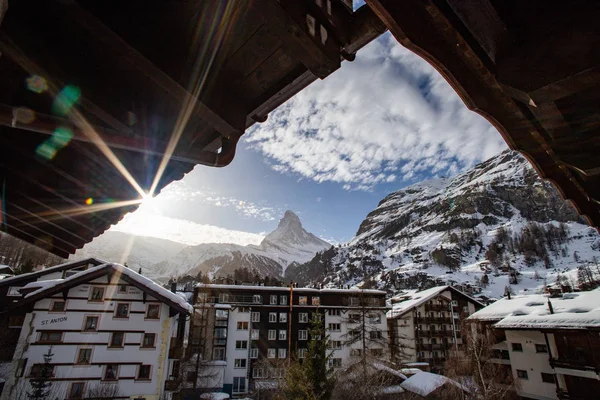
(495, 225)
(288, 244)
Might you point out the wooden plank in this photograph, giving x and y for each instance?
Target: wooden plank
(552, 120)
(568, 86)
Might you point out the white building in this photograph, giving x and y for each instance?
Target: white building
(109, 330)
(426, 326)
(552, 345)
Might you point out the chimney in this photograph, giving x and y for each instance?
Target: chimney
(174, 287)
(140, 271)
(550, 307)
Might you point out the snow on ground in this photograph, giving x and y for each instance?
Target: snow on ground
(423, 383)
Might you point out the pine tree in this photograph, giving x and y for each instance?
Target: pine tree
(41, 384)
(311, 378)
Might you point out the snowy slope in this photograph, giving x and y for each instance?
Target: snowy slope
(498, 219)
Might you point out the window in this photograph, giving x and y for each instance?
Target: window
(302, 353)
(91, 324)
(122, 310)
(454, 303)
(58, 306)
(84, 357)
(302, 300)
(111, 372)
(254, 352)
(354, 301)
(176, 368)
(335, 344)
(223, 297)
(219, 354)
(335, 327)
(316, 300)
(116, 340)
(16, 321)
(51, 337)
(257, 298)
(541, 348)
(303, 317)
(354, 318)
(255, 317)
(122, 289)
(97, 294)
(220, 333)
(376, 335)
(190, 376)
(239, 384)
(239, 363)
(375, 319)
(244, 310)
(258, 373)
(334, 312)
(76, 391)
(282, 317)
(144, 372)
(272, 317)
(517, 347)
(13, 291)
(376, 352)
(241, 344)
(522, 374)
(282, 335)
(153, 311)
(548, 378)
(40, 370)
(148, 340)
(271, 353)
(303, 335)
(273, 299)
(242, 325)
(272, 334)
(283, 300)
(254, 335)
(335, 363)
(282, 353)
(355, 352)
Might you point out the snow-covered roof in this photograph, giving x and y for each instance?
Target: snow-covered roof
(572, 310)
(381, 367)
(60, 267)
(410, 371)
(41, 284)
(354, 290)
(423, 383)
(391, 389)
(214, 396)
(287, 289)
(414, 300)
(146, 284)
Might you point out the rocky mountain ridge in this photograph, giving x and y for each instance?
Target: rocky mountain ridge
(496, 225)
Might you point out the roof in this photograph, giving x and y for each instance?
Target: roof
(287, 289)
(49, 288)
(571, 311)
(511, 62)
(424, 383)
(14, 280)
(415, 299)
(5, 269)
(106, 111)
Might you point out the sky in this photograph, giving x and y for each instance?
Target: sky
(330, 154)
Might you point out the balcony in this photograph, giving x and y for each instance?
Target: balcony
(176, 348)
(233, 299)
(575, 364)
(437, 307)
(433, 320)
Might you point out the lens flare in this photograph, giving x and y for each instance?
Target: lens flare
(36, 84)
(59, 139)
(24, 115)
(131, 118)
(65, 100)
(89, 201)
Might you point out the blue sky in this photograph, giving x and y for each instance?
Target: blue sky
(330, 154)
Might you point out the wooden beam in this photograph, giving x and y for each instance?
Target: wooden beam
(120, 48)
(568, 86)
(552, 120)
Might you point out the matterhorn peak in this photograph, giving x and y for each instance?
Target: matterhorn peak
(290, 220)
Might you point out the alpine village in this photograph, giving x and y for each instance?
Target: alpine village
(480, 283)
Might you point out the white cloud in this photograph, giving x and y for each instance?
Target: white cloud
(153, 225)
(387, 116)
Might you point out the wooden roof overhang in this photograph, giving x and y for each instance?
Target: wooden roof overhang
(153, 80)
(531, 68)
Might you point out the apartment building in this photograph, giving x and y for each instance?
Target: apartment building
(425, 326)
(11, 318)
(551, 345)
(257, 329)
(110, 332)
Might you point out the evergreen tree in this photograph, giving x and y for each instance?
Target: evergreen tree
(40, 384)
(311, 378)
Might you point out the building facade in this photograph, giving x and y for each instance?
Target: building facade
(426, 326)
(106, 331)
(256, 330)
(550, 345)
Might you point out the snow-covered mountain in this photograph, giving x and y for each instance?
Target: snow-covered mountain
(289, 244)
(496, 225)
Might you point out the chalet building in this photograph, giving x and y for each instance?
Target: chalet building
(110, 332)
(11, 318)
(425, 326)
(257, 329)
(550, 345)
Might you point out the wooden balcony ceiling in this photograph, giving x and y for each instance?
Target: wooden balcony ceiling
(532, 68)
(93, 94)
